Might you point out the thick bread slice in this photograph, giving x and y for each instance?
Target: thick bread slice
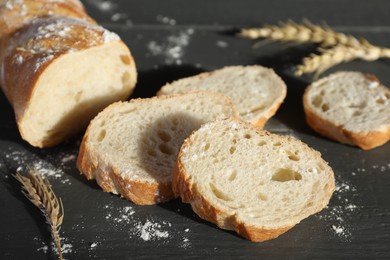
(131, 148)
(349, 107)
(249, 180)
(257, 91)
(59, 72)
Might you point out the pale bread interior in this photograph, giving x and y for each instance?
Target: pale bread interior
(140, 139)
(74, 88)
(261, 179)
(256, 91)
(351, 100)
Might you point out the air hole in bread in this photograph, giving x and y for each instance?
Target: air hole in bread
(309, 204)
(233, 175)
(293, 156)
(126, 78)
(321, 167)
(247, 136)
(262, 196)
(152, 153)
(380, 101)
(325, 107)
(166, 149)
(285, 199)
(101, 135)
(206, 147)
(164, 136)
(78, 95)
(261, 183)
(357, 113)
(326, 187)
(261, 143)
(125, 59)
(277, 144)
(128, 111)
(284, 175)
(219, 194)
(234, 141)
(232, 150)
(317, 101)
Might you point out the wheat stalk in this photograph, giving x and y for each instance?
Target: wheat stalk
(335, 48)
(40, 193)
(306, 32)
(318, 63)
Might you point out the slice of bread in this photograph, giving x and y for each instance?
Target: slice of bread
(249, 180)
(349, 107)
(131, 147)
(257, 91)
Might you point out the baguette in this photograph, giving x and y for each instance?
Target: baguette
(249, 180)
(131, 147)
(257, 91)
(349, 107)
(59, 72)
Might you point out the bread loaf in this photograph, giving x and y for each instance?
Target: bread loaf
(257, 91)
(131, 147)
(249, 180)
(349, 107)
(59, 72)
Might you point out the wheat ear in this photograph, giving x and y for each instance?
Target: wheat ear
(318, 63)
(306, 32)
(40, 193)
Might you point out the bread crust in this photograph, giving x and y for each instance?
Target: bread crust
(325, 127)
(16, 14)
(258, 119)
(110, 180)
(365, 141)
(184, 188)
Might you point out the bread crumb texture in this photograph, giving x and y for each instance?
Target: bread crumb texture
(251, 181)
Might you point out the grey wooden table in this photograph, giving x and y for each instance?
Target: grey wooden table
(171, 39)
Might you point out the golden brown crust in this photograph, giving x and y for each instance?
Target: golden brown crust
(188, 192)
(365, 141)
(16, 14)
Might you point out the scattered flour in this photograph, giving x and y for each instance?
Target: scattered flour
(222, 44)
(173, 48)
(165, 20)
(103, 5)
(66, 247)
(339, 214)
(93, 245)
(22, 160)
(150, 229)
(111, 8)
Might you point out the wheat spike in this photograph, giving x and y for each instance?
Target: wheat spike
(335, 48)
(40, 193)
(318, 63)
(306, 32)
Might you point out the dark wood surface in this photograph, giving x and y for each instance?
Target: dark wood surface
(99, 225)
